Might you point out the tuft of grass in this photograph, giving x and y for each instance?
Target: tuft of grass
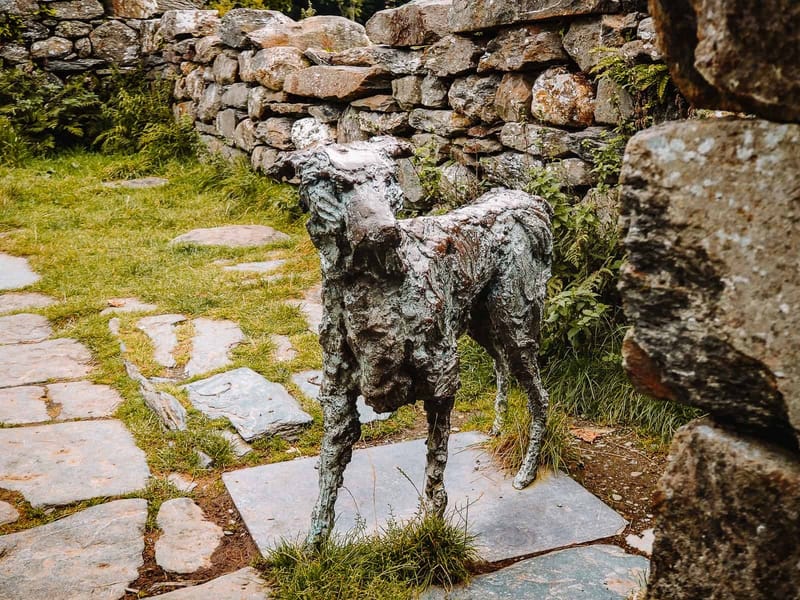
(393, 564)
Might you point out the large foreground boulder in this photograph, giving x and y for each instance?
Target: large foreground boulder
(728, 520)
(734, 54)
(711, 211)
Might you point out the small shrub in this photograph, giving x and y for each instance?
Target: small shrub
(223, 6)
(430, 176)
(402, 559)
(13, 147)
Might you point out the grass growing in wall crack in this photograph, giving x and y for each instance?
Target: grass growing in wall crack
(394, 564)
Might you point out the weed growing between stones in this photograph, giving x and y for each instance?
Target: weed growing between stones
(394, 564)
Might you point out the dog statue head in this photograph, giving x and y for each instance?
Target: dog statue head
(353, 195)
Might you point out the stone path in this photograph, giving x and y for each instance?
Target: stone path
(14, 301)
(244, 584)
(232, 236)
(188, 540)
(275, 500)
(22, 364)
(15, 272)
(57, 402)
(311, 307)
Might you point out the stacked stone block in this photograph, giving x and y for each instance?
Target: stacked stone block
(712, 288)
(491, 102)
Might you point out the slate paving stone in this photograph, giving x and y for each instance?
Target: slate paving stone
(211, 345)
(142, 183)
(267, 266)
(36, 363)
(66, 462)
(244, 584)
(311, 307)
(23, 404)
(284, 351)
(255, 406)
(181, 483)
(15, 272)
(599, 572)
(8, 514)
(275, 500)
(643, 543)
(161, 331)
(93, 554)
(232, 236)
(187, 540)
(127, 305)
(239, 447)
(24, 328)
(83, 400)
(309, 383)
(14, 301)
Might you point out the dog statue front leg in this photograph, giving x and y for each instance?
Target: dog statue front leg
(438, 414)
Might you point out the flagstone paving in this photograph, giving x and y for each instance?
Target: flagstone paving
(66, 462)
(14, 301)
(284, 351)
(94, 553)
(127, 305)
(57, 402)
(161, 331)
(267, 266)
(244, 584)
(255, 406)
(311, 307)
(211, 345)
(232, 236)
(22, 364)
(309, 383)
(24, 328)
(275, 500)
(598, 572)
(23, 404)
(188, 540)
(8, 514)
(15, 272)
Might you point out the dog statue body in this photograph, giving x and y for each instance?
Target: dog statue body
(398, 294)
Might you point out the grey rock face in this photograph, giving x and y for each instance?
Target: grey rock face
(244, 136)
(733, 55)
(563, 98)
(513, 99)
(210, 103)
(376, 123)
(327, 32)
(73, 29)
(233, 236)
(510, 169)
(196, 23)
(259, 100)
(749, 492)
(21, 328)
(115, 42)
(271, 66)
(14, 301)
(134, 9)
(407, 91)
(161, 331)
(275, 500)
(15, 53)
(67, 462)
(255, 407)
(597, 572)
(54, 47)
(395, 61)
(336, 83)
(474, 96)
(452, 55)
(613, 105)
(226, 123)
(458, 184)
(207, 49)
(19, 7)
(43, 361)
(188, 540)
(277, 132)
(15, 272)
(586, 35)
(78, 10)
(523, 47)
(211, 345)
(237, 23)
(244, 584)
(703, 204)
(415, 23)
(225, 69)
(441, 122)
(434, 92)
(95, 553)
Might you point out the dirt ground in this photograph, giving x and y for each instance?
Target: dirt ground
(613, 466)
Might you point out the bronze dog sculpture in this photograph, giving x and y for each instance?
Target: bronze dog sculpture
(398, 294)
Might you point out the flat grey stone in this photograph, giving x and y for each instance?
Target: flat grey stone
(211, 345)
(284, 351)
(82, 400)
(181, 483)
(309, 383)
(267, 266)
(24, 328)
(15, 272)
(254, 406)
(643, 543)
(14, 301)
(8, 514)
(36, 363)
(244, 584)
(232, 236)
(95, 553)
(127, 305)
(239, 447)
(143, 183)
(188, 540)
(24, 404)
(161, 331)
(66, 462)
(592, 573)
(275, 500)
(311, 307)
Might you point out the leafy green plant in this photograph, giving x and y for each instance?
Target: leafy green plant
(13, 147)
(11, 28)
(430, 177)
(223, 6)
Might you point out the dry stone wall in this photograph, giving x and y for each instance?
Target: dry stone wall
(491, 102)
